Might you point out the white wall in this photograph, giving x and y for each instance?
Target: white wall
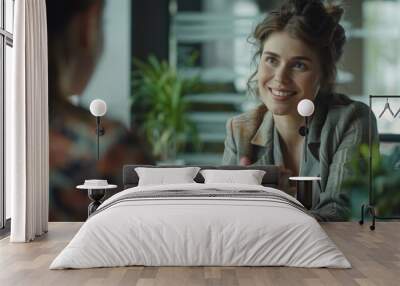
(111, 80)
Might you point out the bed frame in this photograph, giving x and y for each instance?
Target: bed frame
(272, 178)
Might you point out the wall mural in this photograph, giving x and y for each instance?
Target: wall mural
(197, 106)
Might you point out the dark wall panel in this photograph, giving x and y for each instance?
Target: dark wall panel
(150, 28)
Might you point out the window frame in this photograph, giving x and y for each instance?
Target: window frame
(6, 39)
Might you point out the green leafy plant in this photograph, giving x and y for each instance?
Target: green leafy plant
(385, 178)
(158, 102)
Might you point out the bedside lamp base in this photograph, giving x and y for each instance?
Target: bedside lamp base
(305, 189)
(95, 195)
(304, 193)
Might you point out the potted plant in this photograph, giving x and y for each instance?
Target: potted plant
(160, 108)
(385, 180)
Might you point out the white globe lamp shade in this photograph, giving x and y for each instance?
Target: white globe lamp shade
(305, 107)
(98, 107)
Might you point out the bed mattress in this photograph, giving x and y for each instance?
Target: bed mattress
(201, 225)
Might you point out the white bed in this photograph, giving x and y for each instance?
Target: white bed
(269, 228)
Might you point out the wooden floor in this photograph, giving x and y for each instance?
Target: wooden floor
(374, 255)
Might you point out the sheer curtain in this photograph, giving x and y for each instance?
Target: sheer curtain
(27, 155)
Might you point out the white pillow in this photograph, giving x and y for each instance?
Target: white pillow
(248, 177)
(163, 176)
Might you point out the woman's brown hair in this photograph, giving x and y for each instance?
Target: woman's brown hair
(314, 23)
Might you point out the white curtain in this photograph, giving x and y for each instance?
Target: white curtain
(27, 148)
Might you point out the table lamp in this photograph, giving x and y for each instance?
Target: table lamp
(98, 108)
(305, 108)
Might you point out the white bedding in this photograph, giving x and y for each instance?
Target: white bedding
(182, 231)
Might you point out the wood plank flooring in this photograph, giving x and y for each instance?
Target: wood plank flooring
(375, 257)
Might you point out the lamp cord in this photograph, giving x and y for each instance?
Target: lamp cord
(305, 139)
(98, 136)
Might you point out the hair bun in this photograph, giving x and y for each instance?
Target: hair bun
(335, 12)
(300, 5)
(338, 34)
(320, 18)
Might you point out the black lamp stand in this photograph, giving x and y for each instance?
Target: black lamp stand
(303, 131)
(99, 132)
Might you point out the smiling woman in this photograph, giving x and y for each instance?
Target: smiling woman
(298, 47)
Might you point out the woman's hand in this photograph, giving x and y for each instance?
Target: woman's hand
(244, 161)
